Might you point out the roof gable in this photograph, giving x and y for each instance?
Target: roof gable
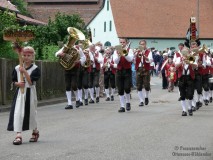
(161, 19)
(7, 5)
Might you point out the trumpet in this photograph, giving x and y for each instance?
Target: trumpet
(203, 49)
(121, 50)
(141, 51)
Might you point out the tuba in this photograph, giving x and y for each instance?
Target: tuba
(71, 53)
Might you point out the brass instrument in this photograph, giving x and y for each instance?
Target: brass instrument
(189, 58)
(141, 49)
(86, 43)
(71, 53)
(203, 49)
(121, 50)
(87, 63)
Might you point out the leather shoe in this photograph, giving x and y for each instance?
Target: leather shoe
(121, 109)
(190, 112)
(146, 101)
(141, 104)
(193, 109)
(112, 98)
(69, 107)
(184, 113)
(210, 100)
(91, 101)
(107, 99)
(97, 99)
(86, 102)
(128, 107)
(77, 104)
(81, 103)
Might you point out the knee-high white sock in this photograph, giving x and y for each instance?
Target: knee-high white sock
(210, 93)
(183, 105)
(91, 91)
(128, 98)
(85, 93)
(193, 102)
(76, 95)
(140, 95)
(122, 100)
(107, 92)
(146, 94)
(189, 104)
(198, 97)
(206, 95)
(69, 97)
(97, 90)
(112, 91)
(80, 94)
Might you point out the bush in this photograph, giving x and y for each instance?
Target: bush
(49, 52)
(6, 51)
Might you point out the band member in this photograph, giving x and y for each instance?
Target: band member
(123, 56)
(71, 76)
(109, 69)
(186, 77)
(143, 58)
(211, 75)
(83, 77)
(200, 59)
(95, 72)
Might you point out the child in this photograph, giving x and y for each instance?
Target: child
(171, 78)
(23, 108)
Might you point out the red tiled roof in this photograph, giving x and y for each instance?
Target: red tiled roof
(45, 11)
(7, 5)
(30, 20)
(45, 1)
(160, 18)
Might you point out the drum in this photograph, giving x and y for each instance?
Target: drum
(211, 80)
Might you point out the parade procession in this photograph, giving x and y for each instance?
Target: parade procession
(124, 90)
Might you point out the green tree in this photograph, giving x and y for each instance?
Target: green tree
(21, 6)
(6, 19)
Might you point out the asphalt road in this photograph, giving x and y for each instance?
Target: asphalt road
(99, 132)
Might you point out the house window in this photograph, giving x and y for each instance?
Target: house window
(110, 25)
(94, 32)
(107, 44)
(107, 5)
(104, 26)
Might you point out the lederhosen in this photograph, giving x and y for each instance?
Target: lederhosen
(142, 73)
(205, 78)
(186, 82)
(109, 75)
(211, 75)
(71, 77)
(198, 77)
(83, 77)
(124, 76)
(94, 74)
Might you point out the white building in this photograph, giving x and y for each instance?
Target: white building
(102, 26)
